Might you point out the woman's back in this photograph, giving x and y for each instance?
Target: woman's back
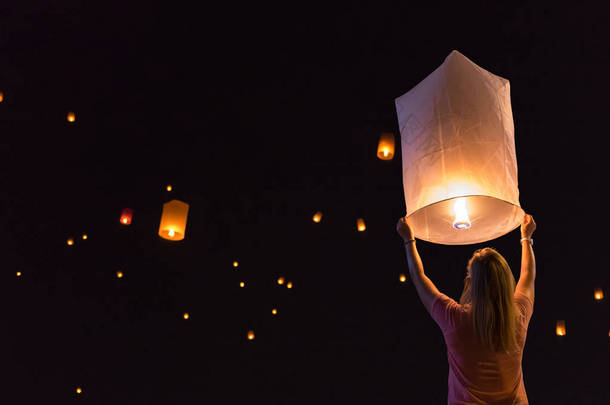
(478, 375)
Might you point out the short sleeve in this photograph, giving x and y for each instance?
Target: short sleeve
(444, 311)
(525, 305)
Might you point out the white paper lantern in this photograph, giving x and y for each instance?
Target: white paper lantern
(458, 155)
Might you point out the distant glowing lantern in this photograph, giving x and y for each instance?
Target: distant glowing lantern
(250, 335)
(403, 278)
(119, 274)
(70, 241)
(79, 390)
(280, 280)
(289, 284)
(85, 236)
(1, 96)
(274, 311)
(126, 216)
(71, 117)
(599, 294)
(173, 220)
(458, 155)
(560, 328)
(317, 217)
(186, 315)
(385, 148)
(235, 263)
(360, 225)
(169, 187)
(18, 274)
(242, 284)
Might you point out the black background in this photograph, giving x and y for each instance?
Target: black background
(258, 116)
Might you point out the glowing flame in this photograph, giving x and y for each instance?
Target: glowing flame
(171, 232)
(560, 329)
(385, 152)
(599, 294)
(460, 210)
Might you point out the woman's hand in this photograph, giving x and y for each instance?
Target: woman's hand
(528, 226)
(404, 229)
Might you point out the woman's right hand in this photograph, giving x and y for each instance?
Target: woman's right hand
(528, 226)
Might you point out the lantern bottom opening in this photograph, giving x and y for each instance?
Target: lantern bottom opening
(489, 219)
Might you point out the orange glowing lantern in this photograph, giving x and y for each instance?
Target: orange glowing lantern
(173, 220)
(79, 390)
(385, 148)
(458, 155)
(186, 315)
(289, 284)
(360, 225)
(235, 263)
(18, 274)
(242, 284)
(169, 187)
(560, 328)
(1, 96)
(317, 217)
(70, 241)
(599, 294)
(280, 280)
(119, 274)
(403, 278)
(85, 236)
(126, 216)
(71, 117)
(250, 335)
(274, 311)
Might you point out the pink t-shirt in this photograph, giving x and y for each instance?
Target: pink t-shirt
(476, 374)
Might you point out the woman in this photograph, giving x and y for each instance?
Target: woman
(485, 333)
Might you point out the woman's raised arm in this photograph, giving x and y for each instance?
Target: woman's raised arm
(426, 289)
(528, 261)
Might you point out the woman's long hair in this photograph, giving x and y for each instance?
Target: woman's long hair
(489, 288)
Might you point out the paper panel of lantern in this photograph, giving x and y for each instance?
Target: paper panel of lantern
(173, 220)
(385, 148)
(458, 155)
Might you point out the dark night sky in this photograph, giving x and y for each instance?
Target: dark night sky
(260, 115)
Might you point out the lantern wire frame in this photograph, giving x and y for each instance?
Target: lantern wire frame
(434, 222)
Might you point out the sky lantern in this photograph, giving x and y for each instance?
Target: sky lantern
(18, 274)
(280, 280)
(173, 220)
(70, 241)
(242, 284)
(402, 278)
(274, 311)
(317, 217)
(235, 263)
(169, 187)
(85, 236)
(289, 284)
(1, 96)
(186, 315)
(79, 390)
(250, 335)
(599, 294)
(385, 148)
(560, 328)
(458, 155)
(119, 274)
(71, 117)
(361, 226)
(126, 216)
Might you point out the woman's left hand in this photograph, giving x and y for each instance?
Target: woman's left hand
(404, 229)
